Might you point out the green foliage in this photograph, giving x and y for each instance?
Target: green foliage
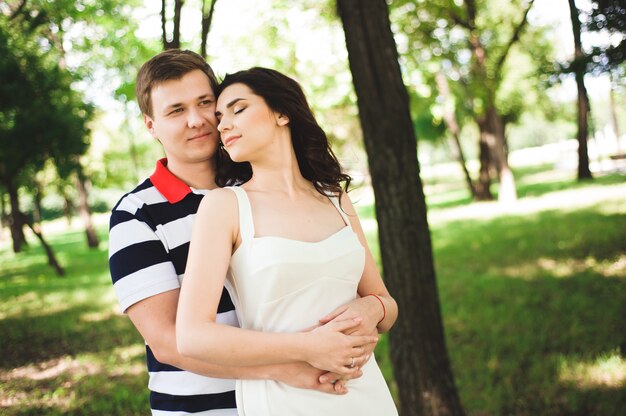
(608, 17)
(42, 116)
(437, 36)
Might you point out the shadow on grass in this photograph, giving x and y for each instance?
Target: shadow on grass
(30, 339)
(519, 295)
(99, 394)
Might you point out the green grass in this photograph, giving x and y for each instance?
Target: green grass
(65, 348)
(524, 299)
(533, 302)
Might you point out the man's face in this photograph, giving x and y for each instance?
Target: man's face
(184, 119)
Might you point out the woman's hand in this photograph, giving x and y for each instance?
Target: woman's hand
(331, 350)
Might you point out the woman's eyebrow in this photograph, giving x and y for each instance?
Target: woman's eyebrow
(229, 105)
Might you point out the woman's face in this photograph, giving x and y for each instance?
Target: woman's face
(247, 125)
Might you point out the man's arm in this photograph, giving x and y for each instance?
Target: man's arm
(155, 319)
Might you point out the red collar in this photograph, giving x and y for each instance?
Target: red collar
(172, 188)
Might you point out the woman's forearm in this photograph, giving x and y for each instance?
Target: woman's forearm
(390, 313)
(326, 348)
(226, 345)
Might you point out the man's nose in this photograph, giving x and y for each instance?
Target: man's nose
(195, 118)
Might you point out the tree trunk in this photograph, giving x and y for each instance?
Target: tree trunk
(82, 186)
(68, 208)
(417, 342)
(16, 220)
(4, 218)
(583, 100)
(52, 260)
(495, 129)
(174, 43)
(37, 202)
(453, 126)
(207, 18)
(483, 188)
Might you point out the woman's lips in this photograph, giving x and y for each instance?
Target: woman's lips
(230, 140)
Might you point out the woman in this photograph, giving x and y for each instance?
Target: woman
(289, 247)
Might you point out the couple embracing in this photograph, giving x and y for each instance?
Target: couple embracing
(281, 302)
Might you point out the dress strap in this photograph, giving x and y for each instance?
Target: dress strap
(246, 224)
(335, 201)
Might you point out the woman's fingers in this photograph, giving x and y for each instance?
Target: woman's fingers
(340, 326)
(358, 341)
(333, 314)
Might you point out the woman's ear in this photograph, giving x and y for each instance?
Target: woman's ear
(282, 120)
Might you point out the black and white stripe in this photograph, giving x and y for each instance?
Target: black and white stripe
(148, 248)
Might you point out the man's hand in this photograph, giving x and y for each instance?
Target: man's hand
(304, 376)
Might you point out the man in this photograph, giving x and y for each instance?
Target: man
(149, 237)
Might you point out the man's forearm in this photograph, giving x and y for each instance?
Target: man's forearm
(301, 375)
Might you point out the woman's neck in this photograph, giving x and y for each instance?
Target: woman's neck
(279, 173)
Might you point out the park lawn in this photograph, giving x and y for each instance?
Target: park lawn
(533, 301)
(66, 349)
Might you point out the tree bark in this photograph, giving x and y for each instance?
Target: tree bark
(483, 187)
(37, 202)
(494, 130)
(417, 342)
(453, 126)
(207, 18)
(4, 218)
(16, 219)
(583, 101)
(82, 186)
(68, 208)
(52, 260)
(174, 43)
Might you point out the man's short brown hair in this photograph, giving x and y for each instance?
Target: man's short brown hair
(171, 64)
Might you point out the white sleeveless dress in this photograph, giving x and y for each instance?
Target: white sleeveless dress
(284, 285)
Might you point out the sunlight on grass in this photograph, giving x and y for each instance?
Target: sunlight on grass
(54, 383)
(101, 315)
(611, 197)
(42, 303)
(563, 268)
(607, 370)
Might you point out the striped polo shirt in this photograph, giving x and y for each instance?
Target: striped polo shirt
(149, 235)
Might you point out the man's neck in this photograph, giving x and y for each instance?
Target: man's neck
(199, 175)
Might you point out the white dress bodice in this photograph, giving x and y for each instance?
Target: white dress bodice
(283, 285)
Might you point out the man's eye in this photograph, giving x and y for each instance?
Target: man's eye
(206, 102)
(175, 111)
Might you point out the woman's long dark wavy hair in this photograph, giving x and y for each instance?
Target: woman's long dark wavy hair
(284, 95)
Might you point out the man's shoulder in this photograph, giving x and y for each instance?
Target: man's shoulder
(144, 193)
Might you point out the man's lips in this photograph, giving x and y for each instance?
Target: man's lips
(230, 140)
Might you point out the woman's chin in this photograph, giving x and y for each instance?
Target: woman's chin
(235, 157)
